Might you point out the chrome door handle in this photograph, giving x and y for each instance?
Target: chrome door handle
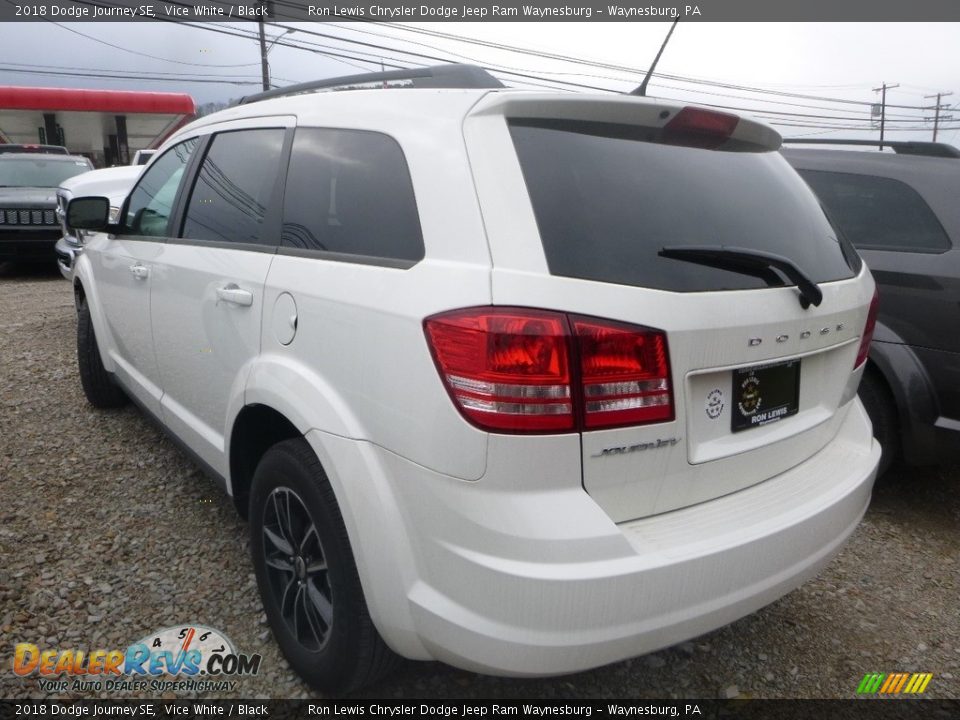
(140, 272)
(235, 295)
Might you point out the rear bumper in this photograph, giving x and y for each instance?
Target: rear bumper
(532, 583)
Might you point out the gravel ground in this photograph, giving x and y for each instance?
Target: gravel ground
(108, 532)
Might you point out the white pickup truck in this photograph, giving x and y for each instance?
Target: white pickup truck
(113, 183)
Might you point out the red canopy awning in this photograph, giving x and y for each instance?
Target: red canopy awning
(105, 101)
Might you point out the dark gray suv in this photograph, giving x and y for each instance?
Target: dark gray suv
(29, 226)
(902, 212)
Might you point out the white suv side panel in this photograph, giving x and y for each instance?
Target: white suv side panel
(359, 349)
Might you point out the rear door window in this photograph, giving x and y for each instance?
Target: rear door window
(606, 201)
(234, 187)
(877, 213)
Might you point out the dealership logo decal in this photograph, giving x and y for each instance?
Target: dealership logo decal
(184, 657)
(749, 395)
(894, 683)
(715, 403)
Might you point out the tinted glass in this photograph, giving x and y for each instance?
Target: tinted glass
(151, 202)
(606, 201)
(878, 213)
(38, 171)
(236, 181)
(350, 192)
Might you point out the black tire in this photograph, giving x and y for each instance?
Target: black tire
(883, 414)
(314, 604)
(98, 384)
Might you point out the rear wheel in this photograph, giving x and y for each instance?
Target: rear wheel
(882, 410)
(98, 384)
(307, 576)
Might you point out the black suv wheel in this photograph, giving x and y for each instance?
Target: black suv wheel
(307, 576)
(883, 414)
(98, 384)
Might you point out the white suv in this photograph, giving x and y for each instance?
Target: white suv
(525, 382)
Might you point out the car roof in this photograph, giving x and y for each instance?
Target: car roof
(402, 99)
(46, 157)
(33, 148)
(390, 109)
(878, 163)
(388, 102)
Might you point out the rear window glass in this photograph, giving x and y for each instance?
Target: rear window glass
(233, 189)
(37, 170)
(349, 192)
(606, 202)
(878, 213)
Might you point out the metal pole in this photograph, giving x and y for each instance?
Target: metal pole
(883, 107)
(264, 68)
(936, 112)
(883, 112)
(642, 90)
(936, 118)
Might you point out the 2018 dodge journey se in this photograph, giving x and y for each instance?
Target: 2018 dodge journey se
(525, 382)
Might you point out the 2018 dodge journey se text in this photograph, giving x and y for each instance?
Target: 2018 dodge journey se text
(525, 382)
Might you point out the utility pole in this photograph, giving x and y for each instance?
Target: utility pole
(936, 114)
(264, 66)
(883, 106)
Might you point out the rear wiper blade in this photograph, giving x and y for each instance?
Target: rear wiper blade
(754, 262)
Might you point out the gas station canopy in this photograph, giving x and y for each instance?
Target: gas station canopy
(106, 125)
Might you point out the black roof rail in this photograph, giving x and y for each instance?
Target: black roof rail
(903, 147)
(454, 75)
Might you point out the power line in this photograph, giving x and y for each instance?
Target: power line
(142, 54)
(611, 66)
(180, 79)
(171, 76)
(335, 56)
(528, 77)
(298, 45)
(524, 74)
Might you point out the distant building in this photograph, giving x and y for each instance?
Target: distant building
(107, 126)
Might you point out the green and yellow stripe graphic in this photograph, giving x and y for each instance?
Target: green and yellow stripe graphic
(894, 683)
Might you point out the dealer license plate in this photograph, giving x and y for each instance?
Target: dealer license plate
(764, 394)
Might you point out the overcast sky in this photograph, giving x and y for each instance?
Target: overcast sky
(827, 61)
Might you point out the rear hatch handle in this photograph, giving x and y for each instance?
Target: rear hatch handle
(752, 262)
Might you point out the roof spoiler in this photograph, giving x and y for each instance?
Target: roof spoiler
(454, 75)
(903, 147)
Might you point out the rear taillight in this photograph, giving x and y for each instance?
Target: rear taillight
(625, 374)
(699, 128)
(505, 369)
(868, 329)
(519, 370)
